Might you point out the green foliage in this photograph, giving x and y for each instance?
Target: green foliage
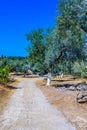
(67, 39)
(68, 30)
(58, 48)
(12, 64)
(4, 72)
(36, 50)
(49, 52)
(80, 69)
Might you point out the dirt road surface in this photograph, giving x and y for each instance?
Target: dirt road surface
(28, 109)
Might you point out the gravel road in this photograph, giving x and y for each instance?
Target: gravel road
(28, 109)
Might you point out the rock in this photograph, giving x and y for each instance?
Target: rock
(79, 95)
(72, 88)
(82, 97)
(82, 87)
(62, 88)
(83, 100)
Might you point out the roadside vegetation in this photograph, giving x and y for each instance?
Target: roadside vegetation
(63, 48)
(55, 51)
(16, 65)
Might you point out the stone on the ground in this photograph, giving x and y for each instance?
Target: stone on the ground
(72, 88)
(82, 97)
(81, 87)
(84, 87)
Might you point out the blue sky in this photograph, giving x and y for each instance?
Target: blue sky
(18, 17)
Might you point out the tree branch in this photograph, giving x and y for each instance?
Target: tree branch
(58, 57)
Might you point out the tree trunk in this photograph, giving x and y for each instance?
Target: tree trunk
(48, 79)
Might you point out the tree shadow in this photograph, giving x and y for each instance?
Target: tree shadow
(12, 87)
(63, 80)
(67, 85)
(33, 76)
(63, 85)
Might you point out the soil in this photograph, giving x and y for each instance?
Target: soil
(65, 100)
(5, 94)
(28, 109)
(6, 91)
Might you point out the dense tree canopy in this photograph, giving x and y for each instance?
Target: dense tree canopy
(36, 49)
(58, 48)
(68, 35)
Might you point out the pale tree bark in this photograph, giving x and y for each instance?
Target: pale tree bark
(49, 76)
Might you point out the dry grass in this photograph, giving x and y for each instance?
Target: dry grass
(65, 100)
(6, 91)
(5, 94)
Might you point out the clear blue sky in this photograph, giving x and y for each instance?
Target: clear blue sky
(18, 17)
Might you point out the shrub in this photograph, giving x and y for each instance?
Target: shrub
(80, 69)
(4, 71)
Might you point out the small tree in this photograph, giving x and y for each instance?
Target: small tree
(4, 71)
(36, 50)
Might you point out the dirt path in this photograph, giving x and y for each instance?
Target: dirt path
(28, 109)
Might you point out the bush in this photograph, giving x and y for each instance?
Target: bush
(80, 69)
(4, 71)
